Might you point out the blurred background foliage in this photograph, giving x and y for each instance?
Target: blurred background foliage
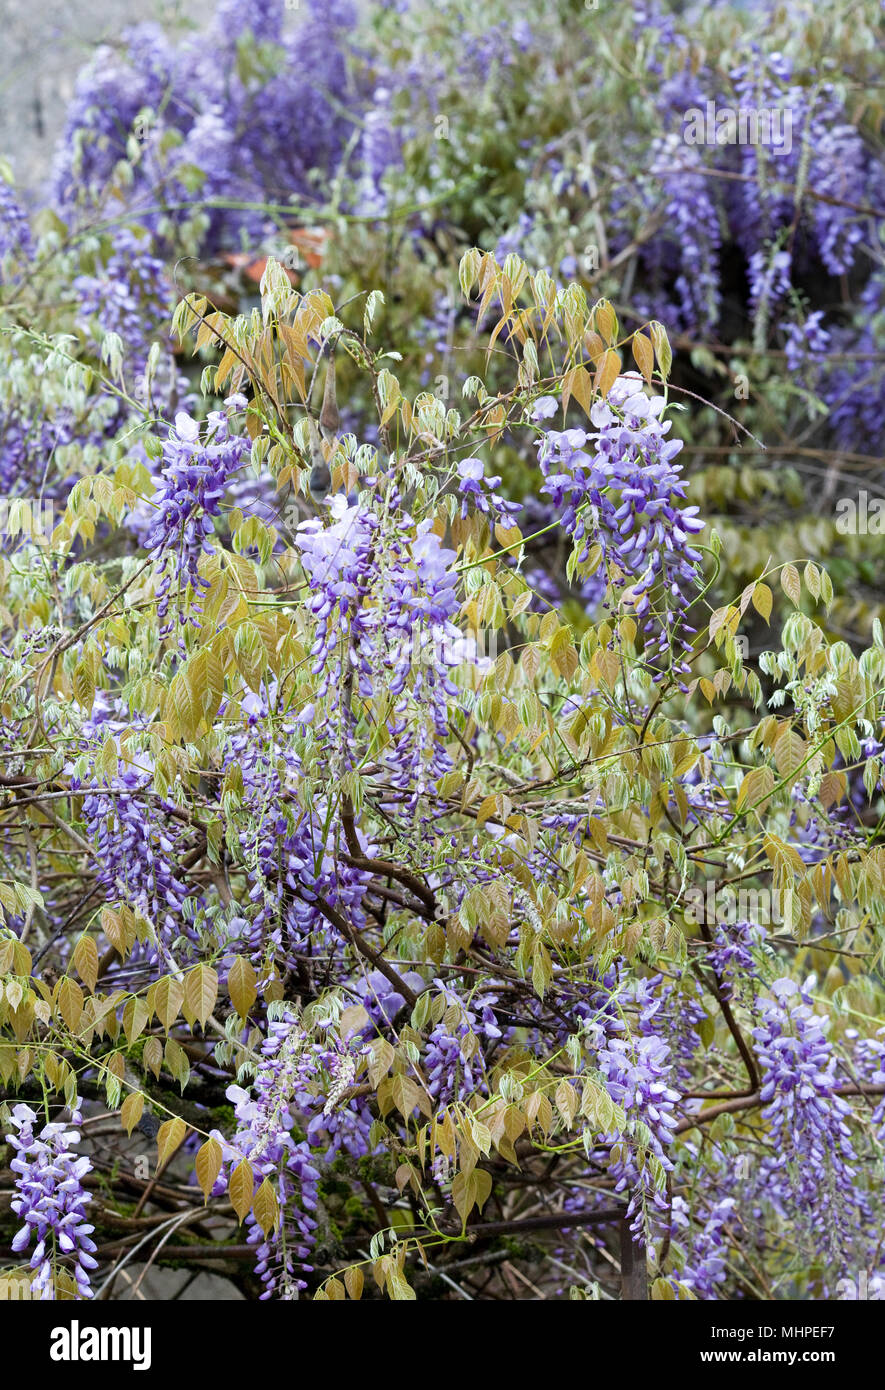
(372, 144)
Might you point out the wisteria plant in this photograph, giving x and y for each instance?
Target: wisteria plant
(432, 929)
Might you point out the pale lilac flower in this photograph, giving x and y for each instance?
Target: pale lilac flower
(51, 1200)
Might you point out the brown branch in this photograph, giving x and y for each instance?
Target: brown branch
(383, 867)
(719, 994)
(551, 1221)
(740, 1102)
(380, 962)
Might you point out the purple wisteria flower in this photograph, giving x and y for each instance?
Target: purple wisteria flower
(51, 1200)
(338, 560)
(138, 846)
(618, 485)
(731, 954)
(208, 125)
(264, 1138)
(853, 390)
(15, 228)
(288, 859)
(808, 1120)
(383, 599)
(637, 1075)
(806, 341)
(838, 171)
(475, 487)
(130, 295)
(454, 1064)
(770, 277)
(198, 465)
(381, 999)
(635, 1065)
(379, 150)
(297, 1077)
(692, 226)
(545, 408)
(703, 1270)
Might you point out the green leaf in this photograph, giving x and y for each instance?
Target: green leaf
(663, 351)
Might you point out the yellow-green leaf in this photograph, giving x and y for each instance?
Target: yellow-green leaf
(153, 1055)
(470, 1190)
(208, 1165)
(791, 583)
(756, 788)
(789, 753)
(130, 1111)
(242, 985)
(84, 959)
(608, 372)
(240, 1189)
(168, 998)
(169, 1139)
(644, 355)
(135, 1016)
(201, 992)
(266, 1208)
(69, 1001)
(762, 600)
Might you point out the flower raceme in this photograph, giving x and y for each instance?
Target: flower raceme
(344, 562)
(51, 1200)
(204, 129)
(198, 465)
(617, 485)
(808, 1119)
(288, 1084)
(137, 850)
(383, 597)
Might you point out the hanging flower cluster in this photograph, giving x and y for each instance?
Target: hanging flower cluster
(198, 464)
(637, 1077)
(808, 1118)
(51, 1200)
(483, 492)
(704, 1268)
(452, 1057)
(383, 611)
(296, 1077)
(287, 854)
(138, 845)
(617, 485)
(264, 1137)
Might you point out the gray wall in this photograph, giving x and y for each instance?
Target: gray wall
(43, 45)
